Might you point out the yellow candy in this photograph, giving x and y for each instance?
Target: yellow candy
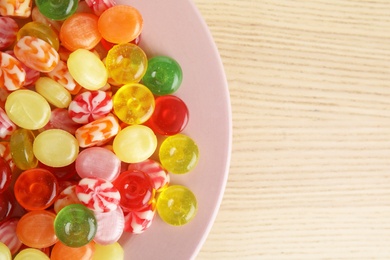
(135, 143)
(56, 148)
(5, 253)
(41, 31)
(113, 251)
(54, 92)
(87, 69)
(27, 109)
(31, 254)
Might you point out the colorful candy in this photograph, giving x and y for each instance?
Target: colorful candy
(53, 92)
(12, 74)
(8, 31)
(41, 31)
(7, 205)
(63, 252)
(139, 221)
(17, 8)
(5, 253)
(99, 6)
(62, 75)
(5, 176)
(31, 253)
(110, 226)
(57, 10)
(6, 125)
(21, 147)
(8, 235)
(158, 175)
(59, 119)
(67, 197)
(113, 251)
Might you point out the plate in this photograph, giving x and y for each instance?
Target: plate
(175, 28)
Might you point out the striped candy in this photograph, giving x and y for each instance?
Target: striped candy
(89, 106)
(67, 196)
(13, 75)
(97, 194)
(138, 221)
(18, 8)
(6, 125)
(8, 31)
(61, 75)
(154, 170)
(8, 235)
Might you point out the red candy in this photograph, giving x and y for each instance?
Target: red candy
(5, 175)
(158, 175)
(7, 206)
(138, 221)
(8, 31)
(6, 125)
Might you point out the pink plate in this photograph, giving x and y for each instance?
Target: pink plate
(175, 28)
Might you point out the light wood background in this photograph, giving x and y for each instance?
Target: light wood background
(310, 90)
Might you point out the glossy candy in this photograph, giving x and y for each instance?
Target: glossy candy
(63, 252)
(56, 148)
(135, 143)
(163, 75)
(5, 253)
(98, 162)
(8, 235)
(98, 194)
(12, 74)
(89, 106)
(139, 221)
(21, 146)
(6, 125)
(41, 31)
(67, 197)
(60, 119)
(36, 54)
(158, 175)
(7, 206)
(36, 189)
(97, 131)
(128, 17)
(179, 154)
(31, 253)
(99, 6)
(109, 226)
(17, 8)
(136, 190)
(36, 229)
(62, 75)
(170, 115)
(31, 75)
(8, 31)
(126, 63)
(75, 225)
(87, 69)
(53, 92)
(57, 10)
(80, 31)
(113, 251)
(5, 177)
(177, 205)
(37, 16)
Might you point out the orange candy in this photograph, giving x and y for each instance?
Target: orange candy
(80, 31)
(63, 252)
(120, 24)
(36, 229)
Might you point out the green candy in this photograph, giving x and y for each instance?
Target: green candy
(57, 9)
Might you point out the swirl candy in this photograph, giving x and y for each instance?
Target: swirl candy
(6, 125)
(18, 8)
(62, 75)
(154, 170)
(8, 235)
(8, 31)
(67, 197)
(13, 75)
(138, 221)
(36, 54)
(31, 75)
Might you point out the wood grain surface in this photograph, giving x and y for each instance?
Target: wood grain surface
(309, 82)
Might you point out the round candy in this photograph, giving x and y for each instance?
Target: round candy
(63, 252)
(21, 146)
(75, 225)
(53, 92)
(176, 205)
(158, 175)
(110, 226)
(57, 10)
(36, 189)
(89, 106)
(135, 143)
(87, 69)
(8, 31)
(170, 115)
(97, 194)
(163, 75)
(41, 31)
(67, 197)
(179, 154)
(36, 229)
(5, 253)
(56, 148)
(5, 177)
(28, 109)
(126, 63)
(120, 24)
(138, 221)
(8, 235)
(31, 253)
(98, 162)
(136, 190)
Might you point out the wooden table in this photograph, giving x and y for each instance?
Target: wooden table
(310, 90)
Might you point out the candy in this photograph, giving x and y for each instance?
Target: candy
(110, 226)
(8, 31)
(18, 8)
(56, 148)
(31, 75)
(158, 175)
(21, 147)
(133, 103)
(98, 162)
(5, 253)
(5, 153)
(62, 75)
(179, 154)
(136, 190)
(5, 176)
(75, 225)
(126, 63)
(60, 119)
(6, 125)
(41, 31)
(12, 74)
(35, 229)
(98, 194)
(135, 143)
(36, 54)
(138, 221)
(129, 19)
(36, 189)
(112, 251)
(99, 6)
(8, 235)
(63, 252)
(7, 205)
(87, 69)
(170, 115)
(37, 16)
(62, 173)
(31, 253)
(80, 31)
(53, 92)
(67, 197)
(163, 75)
(97, 131)
(27, 109)
(176, 205)
(57, 10)
(89, 106)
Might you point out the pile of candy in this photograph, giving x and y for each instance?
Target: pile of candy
(90, 131)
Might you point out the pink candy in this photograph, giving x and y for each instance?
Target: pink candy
(8, 31)
(6, 125)
(138, 221)
(60, 119)
(8, 235)
(157, 174)
(110, 226)
(99, 6)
